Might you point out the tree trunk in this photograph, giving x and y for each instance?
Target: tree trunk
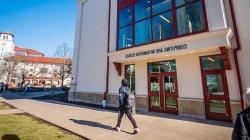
(62, 76)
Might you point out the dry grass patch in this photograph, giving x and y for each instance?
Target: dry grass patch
(30, 128)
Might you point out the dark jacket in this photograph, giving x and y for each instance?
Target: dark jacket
(123, 96)
(242, 126)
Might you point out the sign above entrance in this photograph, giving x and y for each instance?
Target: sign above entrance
(157, 51)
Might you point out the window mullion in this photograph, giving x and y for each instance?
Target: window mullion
(151, 20)
(174, 26)
(133, 23)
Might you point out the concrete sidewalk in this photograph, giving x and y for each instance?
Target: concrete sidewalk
(97, 123)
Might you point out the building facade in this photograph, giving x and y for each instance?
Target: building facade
(184, 57)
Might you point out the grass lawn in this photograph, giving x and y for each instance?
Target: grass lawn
(29, 128)
(4, 106)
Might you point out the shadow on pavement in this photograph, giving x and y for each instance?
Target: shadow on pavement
(92, 124)
(83, 105)
(186, 118)
(28, 95)
(13, 96)
(153, 114)
(96, 124)
(10, 137)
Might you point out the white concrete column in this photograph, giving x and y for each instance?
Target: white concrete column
(77, 44)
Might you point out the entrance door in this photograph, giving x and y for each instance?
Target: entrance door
(169, 92)
(163, 91)
(215, 89)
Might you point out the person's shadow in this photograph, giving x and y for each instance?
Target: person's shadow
(10, 137)
(96, 124)
(92, 124)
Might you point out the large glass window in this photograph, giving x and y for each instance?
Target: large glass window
(125, 37)
(165, 66)
(212, 62)
(143, 32)
(159, 6)
(147, 21)
(182, 2)
(125, 28)
(125, 16)
(163, 26)
(142, 9)
(190, 18)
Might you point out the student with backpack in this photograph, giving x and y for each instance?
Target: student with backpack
(242, 124)
(126, 102)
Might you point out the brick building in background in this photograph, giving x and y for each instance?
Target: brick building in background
(33, 67)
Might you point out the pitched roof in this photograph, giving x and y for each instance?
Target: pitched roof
(47, 60)
(30, 51)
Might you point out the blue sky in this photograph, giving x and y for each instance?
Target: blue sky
(39, 24)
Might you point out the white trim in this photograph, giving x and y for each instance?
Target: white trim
(191, 99)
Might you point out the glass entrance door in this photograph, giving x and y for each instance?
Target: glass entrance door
(215, 89)
(163, 91)
(154, 92)
(169, 92)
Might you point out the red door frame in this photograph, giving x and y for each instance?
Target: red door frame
(162, 93)
(151, 94)
(208, 97)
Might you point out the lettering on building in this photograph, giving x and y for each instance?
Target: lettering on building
(157, 51)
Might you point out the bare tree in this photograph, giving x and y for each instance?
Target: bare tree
(22, 75)
(64, 52)
(9, 67)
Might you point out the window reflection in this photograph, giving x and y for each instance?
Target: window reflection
(169, 84)
(125, 16)
(212, 62)
(154, 84)
(142, 32)
(171, 102)
(165, 66)
(153, 20)
(125, 37)
(163, 26)
(159, 6)
(142, 9)
(130, 76)
(155, 101)
(218, 106)
(190, 18)
(215, 84)
(182, 2)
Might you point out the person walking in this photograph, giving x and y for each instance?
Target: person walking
(242, 124)
(1, 87)
(125, 106)
(6, 88)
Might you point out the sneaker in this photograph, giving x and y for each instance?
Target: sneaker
(118, 129)
(136, 131)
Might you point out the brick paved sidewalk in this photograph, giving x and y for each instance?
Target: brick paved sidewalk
(96, 123)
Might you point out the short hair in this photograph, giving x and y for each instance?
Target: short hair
(247, 97)
(125, 82)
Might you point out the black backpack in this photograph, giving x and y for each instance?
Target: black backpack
(130, 100)
(245, 128)
(241, 128)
